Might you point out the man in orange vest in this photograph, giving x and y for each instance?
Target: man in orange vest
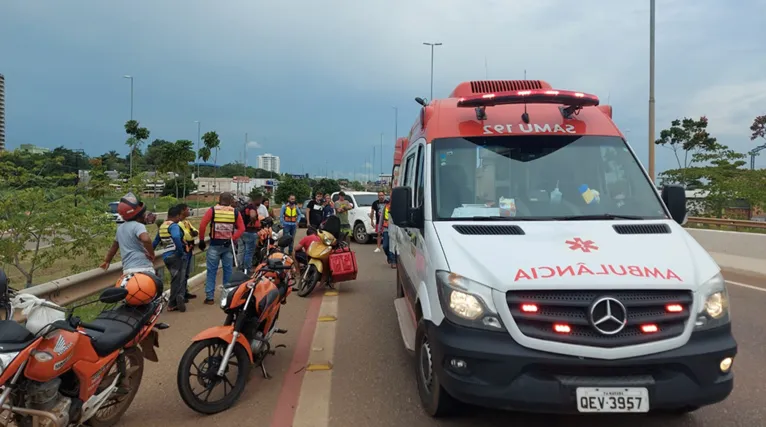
(226, 227)
(289, 217)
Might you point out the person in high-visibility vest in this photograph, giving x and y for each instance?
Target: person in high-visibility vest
(190, 234)
(226, 227)
(289, 217)
(170, 238)
(386, 242)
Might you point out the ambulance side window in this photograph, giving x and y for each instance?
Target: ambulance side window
(419, 187)
(409, 171)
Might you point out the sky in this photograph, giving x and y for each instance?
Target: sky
(317, 82)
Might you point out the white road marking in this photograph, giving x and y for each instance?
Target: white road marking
(755, 288)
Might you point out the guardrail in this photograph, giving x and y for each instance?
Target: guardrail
(723, 222)
(80, 286)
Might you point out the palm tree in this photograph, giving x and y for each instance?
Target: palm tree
(184, 153)
(212, 142)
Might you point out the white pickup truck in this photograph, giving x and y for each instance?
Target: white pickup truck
(359, 217)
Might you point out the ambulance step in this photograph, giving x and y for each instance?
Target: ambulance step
(406, 325)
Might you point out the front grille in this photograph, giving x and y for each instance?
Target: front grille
(572, 309)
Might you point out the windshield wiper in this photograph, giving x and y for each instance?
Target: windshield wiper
(499, 218)
(598, 216)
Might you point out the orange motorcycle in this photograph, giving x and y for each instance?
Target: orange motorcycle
(252, 305)
(72, 372)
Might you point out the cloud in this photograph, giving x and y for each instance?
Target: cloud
(254, 144)
(312, 94)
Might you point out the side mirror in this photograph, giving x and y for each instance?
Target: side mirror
(674, 197)
(401, 212)
(113, 295)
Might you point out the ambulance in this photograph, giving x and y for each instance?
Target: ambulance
(540, 270)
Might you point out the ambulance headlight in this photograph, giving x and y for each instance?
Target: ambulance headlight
(713, 303)
(466, 302)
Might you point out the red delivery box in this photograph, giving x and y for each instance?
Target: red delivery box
(343, 265)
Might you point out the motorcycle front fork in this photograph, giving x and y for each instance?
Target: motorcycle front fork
(265, 341)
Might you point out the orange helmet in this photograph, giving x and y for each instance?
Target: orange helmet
(142, 288)
(130, 207)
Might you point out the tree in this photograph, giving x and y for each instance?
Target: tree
(212, 142)
(290, 185)
(686, 138)
(183, 151)
(357, 186)
(758, 128)
(98, 184)
(172, 186)
(39, 227)
(326, 185)
(255, 193)
(137, 135)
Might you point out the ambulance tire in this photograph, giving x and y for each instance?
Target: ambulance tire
(434, 399)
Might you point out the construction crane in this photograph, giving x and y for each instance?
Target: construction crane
(754, 152)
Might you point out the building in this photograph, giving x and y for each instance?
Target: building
(2, 112)
(268, 162)
(384, 178)
(238, 185)
(33, 149)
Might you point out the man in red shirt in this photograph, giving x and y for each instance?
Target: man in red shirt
(226, 226)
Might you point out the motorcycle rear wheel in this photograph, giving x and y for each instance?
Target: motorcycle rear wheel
(186, 376)
(309, 282)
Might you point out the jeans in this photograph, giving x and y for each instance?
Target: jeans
(189, 270)
(176, 265)
(248, 240)
(240, 252)
(289, 229)
(389, 255)
(218, 254)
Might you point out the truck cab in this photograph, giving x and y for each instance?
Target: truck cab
(540, 270)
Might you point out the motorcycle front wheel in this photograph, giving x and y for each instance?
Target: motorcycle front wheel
(199, 367)
(309, 281)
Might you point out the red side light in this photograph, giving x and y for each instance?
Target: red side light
(562, 328)
(534, 96)
(649, 329)
(529, 308)
(674, 308)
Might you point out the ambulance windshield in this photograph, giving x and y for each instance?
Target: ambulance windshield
(539, 177)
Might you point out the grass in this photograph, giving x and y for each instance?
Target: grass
(727, 228)
(63, 267)
(89, 312)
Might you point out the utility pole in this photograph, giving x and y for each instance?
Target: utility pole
(432, 67)
(651, 89)
(381, 152)
(372, 164)
(131, 118)
(245, 162)
(199, 179)
(396, 124)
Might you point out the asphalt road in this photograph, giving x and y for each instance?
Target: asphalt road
(372, 376)
(373, 380)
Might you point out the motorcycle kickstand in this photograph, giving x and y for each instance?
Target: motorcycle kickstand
(263, 370)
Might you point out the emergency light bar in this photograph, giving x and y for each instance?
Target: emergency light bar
(572, 101)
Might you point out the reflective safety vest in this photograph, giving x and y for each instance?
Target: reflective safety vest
(166, 241)
(224, 219)
(187, 227)
(385, 215)
(291, 213)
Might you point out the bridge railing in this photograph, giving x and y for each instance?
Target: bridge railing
(68, 290)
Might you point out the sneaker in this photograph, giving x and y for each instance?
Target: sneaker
(377, 250)
(190, 296)
(209, 301)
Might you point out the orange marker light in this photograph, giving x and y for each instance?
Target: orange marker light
(562, 328)
(674, 308)
(649, 329)
(529, 308)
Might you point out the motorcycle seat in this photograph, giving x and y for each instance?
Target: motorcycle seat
(237, 278)
(13, 336)
(121, 324)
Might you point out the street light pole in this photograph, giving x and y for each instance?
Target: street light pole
(131, 118)
(381, 153)
(197, 157)
(432, 66)
(651, 90)
(396, 123)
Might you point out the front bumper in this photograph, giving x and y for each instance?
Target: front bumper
(502, 374)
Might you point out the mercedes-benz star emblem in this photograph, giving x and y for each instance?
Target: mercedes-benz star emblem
(608, 315)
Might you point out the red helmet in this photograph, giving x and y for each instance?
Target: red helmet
(129, 207)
